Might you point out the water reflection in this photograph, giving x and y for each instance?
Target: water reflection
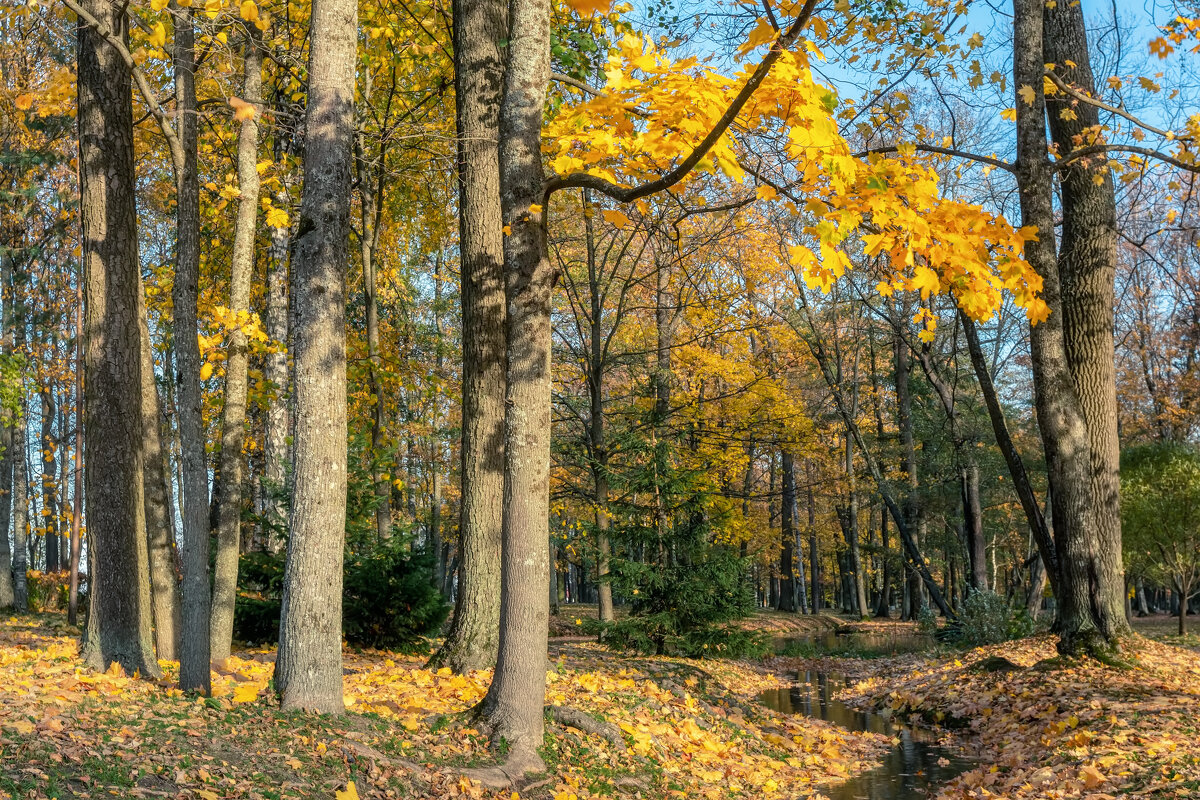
(912, 769)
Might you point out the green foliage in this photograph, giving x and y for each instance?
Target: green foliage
(680, 609)
(987, 618)
(1160, 513)
(388, 600)
(927, 620)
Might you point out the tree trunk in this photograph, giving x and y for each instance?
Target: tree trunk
(852, 533)
(814, 562)
(1016, 466)
(49, 461)
(516, 697)
(884, 609)
(194, 673)
(8, 421)
(308, 670)
(164, 588)
(1086, 265)
(20, 501)
(77, 500)
(277, 425)
(913, 512)
(1082, 626)
(973, 525)
(233, 415)
(787, 537)
(597, 444)
(479, 28)
(119, 625)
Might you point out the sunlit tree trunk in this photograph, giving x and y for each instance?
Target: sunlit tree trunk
(479, 28)
(119, 625)
(516, 696)
(308, 670)
(194, 673)
(164, 588)
(20, 505)
(973, 524)
(8, 419)
(77, 500)
(1060, 418)
(233, 416)
(1087, 264)
(814, 555)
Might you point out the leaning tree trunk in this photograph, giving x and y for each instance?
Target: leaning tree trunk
(1086, 265)
(308, 670)
(194, 672)
(119, 625)
(479, 28)
(515, 700)
(233, 416)
(1064, 431)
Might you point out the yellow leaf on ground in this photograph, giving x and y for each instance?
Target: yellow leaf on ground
(350, 792)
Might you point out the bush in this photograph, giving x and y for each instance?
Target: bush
(927, 621)
(988, 619)
(681, 609)
(388, 599)
(49, 591)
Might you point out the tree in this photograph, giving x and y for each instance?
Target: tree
(473, 639)
(308, 670)
(119, 625)
(233, 422)
(1160, 516)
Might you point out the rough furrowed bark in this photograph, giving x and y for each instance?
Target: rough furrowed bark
(308, 670)
(233, 417)
(119, 626)
(474, 633)
(1064, 431)
(514, 702)
(194, 674)
(1087, 265)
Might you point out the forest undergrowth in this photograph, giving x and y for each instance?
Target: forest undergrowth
(676, 728)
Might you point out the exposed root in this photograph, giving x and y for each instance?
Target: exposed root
(587, 723)
(521, 761)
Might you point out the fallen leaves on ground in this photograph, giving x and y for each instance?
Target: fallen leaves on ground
(1058, 730)
(689, 729)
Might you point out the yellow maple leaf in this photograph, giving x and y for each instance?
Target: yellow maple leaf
(615, 217)
(1027, 94)
(586, 8)
(249, 10)
(245, 692)
(158, 37)
(276, 218)
(158, 5)
(24, 101)
(206, 371)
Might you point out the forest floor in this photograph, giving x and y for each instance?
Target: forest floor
(1040, 727)
(679, 728)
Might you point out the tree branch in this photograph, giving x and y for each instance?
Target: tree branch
(625, 195)
(139, 78)
(946, 151)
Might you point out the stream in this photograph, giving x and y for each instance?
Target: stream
(912, 770)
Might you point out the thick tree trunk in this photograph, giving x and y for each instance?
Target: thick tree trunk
(516, 697)
(479, 28)
(77, 500)
(1087, 264)
(1082, 626)
(194, 673)
(119, 625)
(913, 512)
(164, 587)
(787, 536)
(308, 671)
(233, 415)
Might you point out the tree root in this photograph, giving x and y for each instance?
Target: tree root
(587, 723)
